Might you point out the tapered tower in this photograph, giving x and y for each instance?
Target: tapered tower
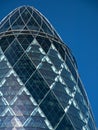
(40, 88)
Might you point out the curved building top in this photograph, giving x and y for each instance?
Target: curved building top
(31, 49)
(27, 18)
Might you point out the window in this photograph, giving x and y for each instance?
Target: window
(24, 68)
(25, 40)
(52, 109)
(44, 42)
(37, 86)
(65, 124)
(14, 52)
(60, 49)
(71, 68)
(25, 16)
(6, 41)
(37, 18)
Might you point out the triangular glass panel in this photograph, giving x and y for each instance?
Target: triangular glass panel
(2, 108)
(6, 41)
(25, 16)
(10, 88)
(21, 109)
(6, 121)
(3, 64)
(23, 105)
(54, 57)
(37, 18)
(65, 124)
(35, 52)
(60, 49)
(46, 29)
(25, 28)
(24, 68)
(5, 27)
(4, 69)
(8, 113)
(32, 24)
(37, 86)
(16, 122)
(23, 118)
(37, 122)
(21, 9)
(52, 109)
(1, 101)
(25, 98)
(46, 70)
(59, 90)
(25, 40)
(18, 24)
(14, 52)
(44, 42)
(14, 17)
(30, 10)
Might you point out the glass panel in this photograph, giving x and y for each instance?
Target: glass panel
(18, 24)
(23, 105)
(14, 52)
(72, 58)
(46, 28)
(4, 68)
(82, 90)
(24, 68)
(70, 66)
(22, 9)
(32, 24)
(65, 124)
(81, 104)
(30, 9)
(25, 40)
(65, 73)
(74, 116)
(46, 70)
(14, 17)
(3, 65)
(54, 57)
(59, 90)
(5, 26)
(37, 18)
(1, 103)
(70, 84)
(60, 49)
(25, 16)
(34, 52)
(10, 87)
(48, 24)
(6, 121)
(6, 41)
(91, 124)
(37, 86)
(44, 42)
(52, 109)
(37, 122)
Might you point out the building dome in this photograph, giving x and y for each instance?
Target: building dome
(27, 18)
(40, 88)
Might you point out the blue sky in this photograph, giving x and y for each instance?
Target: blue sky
(76, 21)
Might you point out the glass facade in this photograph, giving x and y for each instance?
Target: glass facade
(40, 88)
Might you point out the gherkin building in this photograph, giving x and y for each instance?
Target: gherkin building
(40, 88)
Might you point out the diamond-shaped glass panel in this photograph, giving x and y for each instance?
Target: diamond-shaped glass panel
(37, 86)
(24, 68)
(14, 52)
(52, 109)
